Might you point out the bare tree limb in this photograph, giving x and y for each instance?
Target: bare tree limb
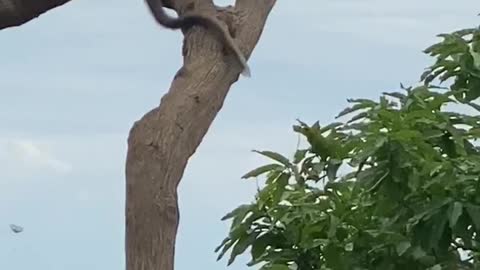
(161, 143)
(17, 12)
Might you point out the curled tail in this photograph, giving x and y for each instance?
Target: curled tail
(156, 7)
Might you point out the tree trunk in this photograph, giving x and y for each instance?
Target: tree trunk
(18, 12)
(161, 143)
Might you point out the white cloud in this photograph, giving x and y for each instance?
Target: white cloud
(28, 155)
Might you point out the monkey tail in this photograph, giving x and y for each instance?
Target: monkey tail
(156, 7)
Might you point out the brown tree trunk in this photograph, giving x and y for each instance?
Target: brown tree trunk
(18, 12)
(161, 143)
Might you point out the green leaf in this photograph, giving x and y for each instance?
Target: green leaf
(225, 241)
(261, 170)
(241, 245)
(397, 95)
(334, 258)
(299, 156)
(272, 176)
(275, 156)
(331, 126)
(228, 244)
(436, 267)
(275, 267)
(332, 167)
(455, 213)
(334, 222)
(359, 116)
(260, 245)
(401, 247)
(280, 184)
(361, 104)
(418, 253)
(240, 211)
(437, 230)
(474, 213)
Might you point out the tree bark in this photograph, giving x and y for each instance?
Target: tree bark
(162, 141)
(18, 12)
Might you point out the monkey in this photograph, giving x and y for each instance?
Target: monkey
(158, 12)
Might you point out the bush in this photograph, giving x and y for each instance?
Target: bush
(408, 195)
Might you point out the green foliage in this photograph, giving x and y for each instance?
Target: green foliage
(408, 197)
(458, 58)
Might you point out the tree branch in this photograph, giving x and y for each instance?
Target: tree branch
(17, 12)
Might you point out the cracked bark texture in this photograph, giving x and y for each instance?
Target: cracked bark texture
(162, 141)
(18, 12)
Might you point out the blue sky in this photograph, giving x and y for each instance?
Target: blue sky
(74, 80)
